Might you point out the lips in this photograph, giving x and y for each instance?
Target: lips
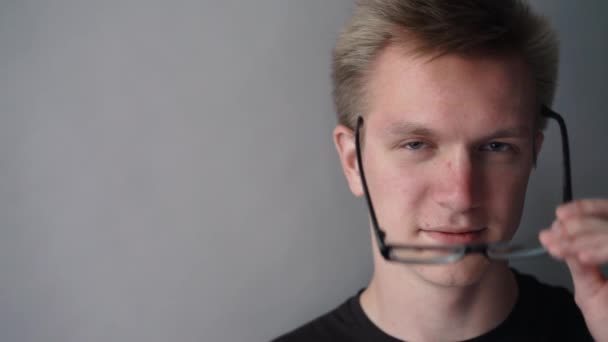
(456, 236)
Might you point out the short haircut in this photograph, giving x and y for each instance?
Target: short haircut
(438, 27)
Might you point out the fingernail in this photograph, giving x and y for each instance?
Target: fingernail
(544, 233)
(546, 236)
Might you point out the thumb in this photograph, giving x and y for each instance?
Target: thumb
(587, 279)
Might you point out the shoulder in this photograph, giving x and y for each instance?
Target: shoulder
(532, 291)
(550, 309)
(542, 312)
(335, 325)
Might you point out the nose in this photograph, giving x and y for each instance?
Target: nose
(458, 186)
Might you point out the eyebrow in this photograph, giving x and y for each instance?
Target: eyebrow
(408, 128)
(512, 132)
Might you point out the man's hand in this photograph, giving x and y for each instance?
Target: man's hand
(579, 236)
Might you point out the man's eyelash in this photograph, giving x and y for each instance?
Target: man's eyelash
(497, 146)
(414, 145)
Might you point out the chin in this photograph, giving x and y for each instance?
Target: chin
(465, 272)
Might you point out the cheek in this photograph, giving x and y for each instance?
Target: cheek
(396, 191)
(395, 186)
(506, 198)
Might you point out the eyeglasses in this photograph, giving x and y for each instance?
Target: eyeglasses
(441, 254)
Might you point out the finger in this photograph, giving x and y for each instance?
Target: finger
(589, 249)
(589, 246)
(587, 280)
(582, 226)
(593, 206)
(596, 257)
(592, 241)
(550, 240)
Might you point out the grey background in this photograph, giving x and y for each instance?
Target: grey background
(167, 171)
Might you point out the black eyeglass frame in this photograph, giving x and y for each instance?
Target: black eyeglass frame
(458, 251)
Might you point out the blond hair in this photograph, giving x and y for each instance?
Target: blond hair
(437, 27)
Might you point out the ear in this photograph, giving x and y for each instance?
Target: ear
(538, 144)
(344, 139)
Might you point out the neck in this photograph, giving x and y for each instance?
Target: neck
(460, 311)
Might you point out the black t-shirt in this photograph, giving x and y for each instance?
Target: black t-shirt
(541, 313)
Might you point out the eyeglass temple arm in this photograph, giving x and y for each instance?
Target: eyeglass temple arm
(379, 234)
(567, 176)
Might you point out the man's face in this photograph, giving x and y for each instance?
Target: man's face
(448, 149)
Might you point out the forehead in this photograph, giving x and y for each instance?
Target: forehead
(450, 89)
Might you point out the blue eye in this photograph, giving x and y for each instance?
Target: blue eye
(497, 147)
(414, 145)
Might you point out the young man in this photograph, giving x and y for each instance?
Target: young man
(444, 98)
